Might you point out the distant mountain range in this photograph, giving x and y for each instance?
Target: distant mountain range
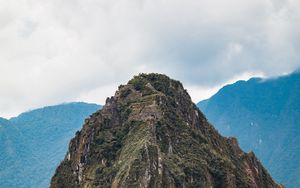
(264, 114)
(35, 142)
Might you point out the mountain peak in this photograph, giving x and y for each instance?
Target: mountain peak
(154, 83)
(150, 134)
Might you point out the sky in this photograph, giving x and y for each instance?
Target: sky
(80, 50)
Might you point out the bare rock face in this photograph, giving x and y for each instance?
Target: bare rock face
(150, 134)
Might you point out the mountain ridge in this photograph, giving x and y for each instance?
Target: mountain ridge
(34, 142)
(264, 115)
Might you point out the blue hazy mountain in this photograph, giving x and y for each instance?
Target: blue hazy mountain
(35, 142)
(264, 114)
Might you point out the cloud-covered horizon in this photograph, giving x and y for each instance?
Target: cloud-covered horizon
(62, 50)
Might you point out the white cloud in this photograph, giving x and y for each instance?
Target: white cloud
(64, 50)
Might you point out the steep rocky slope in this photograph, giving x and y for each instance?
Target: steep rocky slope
(264, 114)
(150, 134)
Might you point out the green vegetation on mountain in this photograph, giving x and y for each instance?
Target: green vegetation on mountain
(150, 134)
(264, 114)
(34, 143)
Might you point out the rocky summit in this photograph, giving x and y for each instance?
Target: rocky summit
(150, 134)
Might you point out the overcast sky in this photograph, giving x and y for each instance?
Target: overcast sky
(81, 50)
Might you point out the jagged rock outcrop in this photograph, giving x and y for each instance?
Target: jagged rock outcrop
(150, 134)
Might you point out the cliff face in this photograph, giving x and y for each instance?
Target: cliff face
(150, 134)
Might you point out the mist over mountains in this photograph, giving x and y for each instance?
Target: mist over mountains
(264, 114)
